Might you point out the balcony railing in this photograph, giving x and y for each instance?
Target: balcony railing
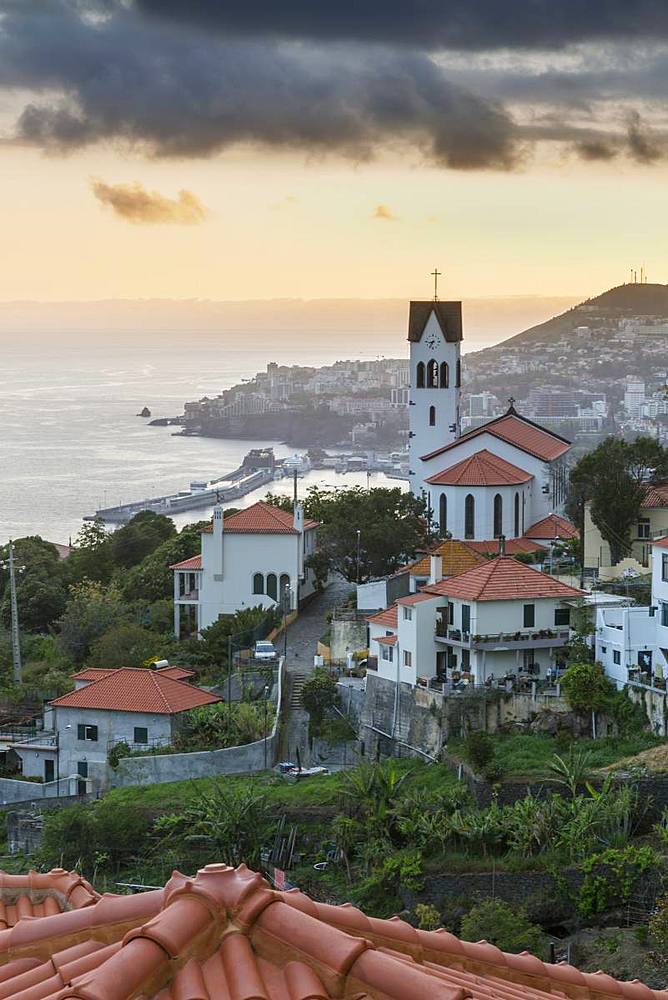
(538, 637)
(191, 595)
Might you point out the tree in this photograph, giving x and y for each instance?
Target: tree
(152, 579)
(319, 696)
(139, 537)
(587, 690)
(41, 588)
(91, 611)
(234, 820)
(126, 645)
(506, 926)
(92, 558)
(614, 478)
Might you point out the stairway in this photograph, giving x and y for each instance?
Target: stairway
(297, 682)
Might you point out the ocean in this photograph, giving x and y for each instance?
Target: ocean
(70, 439)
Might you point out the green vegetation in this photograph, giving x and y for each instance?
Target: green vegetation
(505, 926)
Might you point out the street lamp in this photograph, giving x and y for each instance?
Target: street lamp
(359, 536)
(10, 564)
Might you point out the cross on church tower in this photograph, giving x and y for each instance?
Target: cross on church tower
(436, 274)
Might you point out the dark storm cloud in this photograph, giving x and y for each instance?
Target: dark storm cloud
(118, 77)
(429, 24)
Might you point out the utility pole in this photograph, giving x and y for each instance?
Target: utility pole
(359, 536)
(16, 640)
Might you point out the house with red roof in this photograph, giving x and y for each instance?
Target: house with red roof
(137, 706)
(500, 619)
(497, 479)
(257, 556)
(652, 524)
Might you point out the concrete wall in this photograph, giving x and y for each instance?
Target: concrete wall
(156, 769)
(347, 636)
(15, 790)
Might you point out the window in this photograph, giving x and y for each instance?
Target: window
(82, 768)
(432, 375)
(517, 516)
(643, 528)
(258, 583)
(562, 616)
(451, 613)
(85, 732)
(459, 374)
(285, 591)
(529, 615)
(498, 515)
(664, 566)
(272, 586)
(432, 416)
(386, 653)
(616, 656)
(604, 649)
(141, 734)
(445, 375)
(408, 657)
(408, 614)
(466, 659)
(469, 516)
(419, 379)
(466, 617)
(443, 513)
(664, 614)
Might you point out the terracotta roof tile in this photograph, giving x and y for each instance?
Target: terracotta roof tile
(552, 527)
(503, 579)
(655, 497)
(262, 519)
(387, 617)
(456, 558)
(387, 640)
(662, 543)
(516, 430)
(490, 546)
(93, 673)
(411, 599)
(137, 690)
(176, 673)
(481, 469)
(226, 935)
(193, 563)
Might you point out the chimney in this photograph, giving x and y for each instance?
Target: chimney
(217, 543)
(435, 569)
(502, 545)
(299, 518)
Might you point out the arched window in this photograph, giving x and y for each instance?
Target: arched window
(285, 591)
(258, 583)
(272, 586)
(432, 375)
(432, 416)
(443, 514)
(459, 374)
(445, 375)
(420, 375)
(469, 516)
(517, 515)
(498, 515)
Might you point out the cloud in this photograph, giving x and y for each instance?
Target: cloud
(384, 213)
(134, 203)
(595, 149)
(430, 24)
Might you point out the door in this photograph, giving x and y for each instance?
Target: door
(49, 770)
(82, 768)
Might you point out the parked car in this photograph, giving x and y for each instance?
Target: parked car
(265, 651)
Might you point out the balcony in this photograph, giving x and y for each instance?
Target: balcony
(190, 597)
(535, 639)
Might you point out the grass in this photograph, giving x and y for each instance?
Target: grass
(525, 755)
(315, 793)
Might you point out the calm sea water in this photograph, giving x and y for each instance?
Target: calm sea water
(70, 440)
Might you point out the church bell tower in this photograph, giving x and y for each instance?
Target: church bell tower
(435, 335)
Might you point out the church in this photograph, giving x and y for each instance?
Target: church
(507, 477)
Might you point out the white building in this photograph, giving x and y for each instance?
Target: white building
(254, 557)
(140, 707)
(499, 478)
(499, 620)
(634, 397)
(632, 642)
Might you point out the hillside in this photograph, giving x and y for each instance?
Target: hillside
(607, 308)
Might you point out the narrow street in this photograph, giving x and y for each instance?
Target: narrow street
(302, 642)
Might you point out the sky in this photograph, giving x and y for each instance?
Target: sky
(258, 150)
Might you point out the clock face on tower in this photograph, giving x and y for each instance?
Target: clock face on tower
(432, 341)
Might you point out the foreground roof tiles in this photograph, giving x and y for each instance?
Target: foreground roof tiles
(516, 430)
(262, 519)
(137, 690)
(553, 527)
(503, 579)
(226, 935)
(481, 469)
(656, 496)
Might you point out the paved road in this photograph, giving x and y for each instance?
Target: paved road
(303, 638)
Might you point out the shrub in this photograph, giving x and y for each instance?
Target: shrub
(505, 926)
(479, 750)
(427, 916)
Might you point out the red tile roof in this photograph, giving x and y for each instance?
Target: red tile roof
(513, 546)
(262, 519)
(387, 617)
(37, 894)
(655, 497)
(552, 527)
(481, 469)
(133, 689)
(415, 599)
(518, 431)
(176, 673)
(456, 557)
(93, 673)
(387, 640)
(227, 935)
(662, 543)
(193, 563)
(503, 579)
